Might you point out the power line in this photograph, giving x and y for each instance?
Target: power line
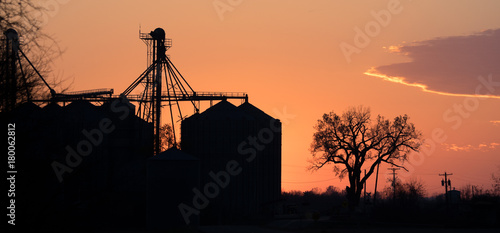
(394, 169)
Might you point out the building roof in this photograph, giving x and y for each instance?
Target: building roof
(223, 110)
(27, 108)
(52, 107)
(250, 109)
(80, 105)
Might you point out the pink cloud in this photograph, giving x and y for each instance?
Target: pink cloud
(484, 147)
(448, 65)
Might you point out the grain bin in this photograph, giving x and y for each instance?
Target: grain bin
(171, 177)
(226, 135)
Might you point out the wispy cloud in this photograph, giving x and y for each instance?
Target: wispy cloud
(484, 147)
(448, 65)
(495, 123)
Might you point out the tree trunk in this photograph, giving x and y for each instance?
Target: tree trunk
(353, 201)
(354, 192)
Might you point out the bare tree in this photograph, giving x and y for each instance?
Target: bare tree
(409, 192)
(351, 142)
(496, 182)
(468, 191)
(27, 18)
(167, 137)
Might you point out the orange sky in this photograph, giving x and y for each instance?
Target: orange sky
(287, 55)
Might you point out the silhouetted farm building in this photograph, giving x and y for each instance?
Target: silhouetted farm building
(245, 139)
(80, 165)
(171, 177)
(84, 165)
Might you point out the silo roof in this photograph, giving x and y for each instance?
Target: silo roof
(80, 105)
(52, 107)
(28, 107)
(255, 112)
(222, 111)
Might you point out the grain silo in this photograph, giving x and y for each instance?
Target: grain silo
(81, 164)
(227, 135)
(171, 177)
(270, 135)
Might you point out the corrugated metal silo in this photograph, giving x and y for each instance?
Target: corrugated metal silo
(171, 177)
(225, 134)
(270, 156)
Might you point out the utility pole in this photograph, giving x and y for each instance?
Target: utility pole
(364, 194)
(394, 169)
(376, 181)
(446, 182)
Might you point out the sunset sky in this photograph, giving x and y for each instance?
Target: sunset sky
(437, 61)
